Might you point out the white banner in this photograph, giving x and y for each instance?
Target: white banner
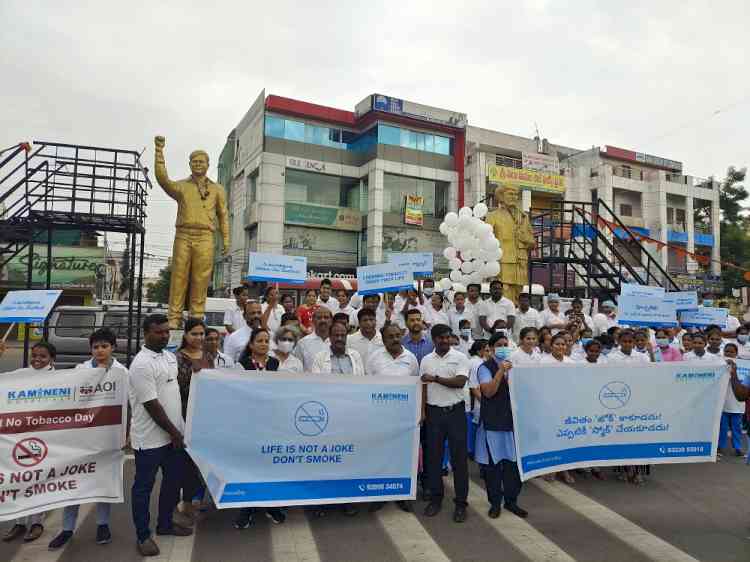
(61, 438)
(276, 439)
(597, 415)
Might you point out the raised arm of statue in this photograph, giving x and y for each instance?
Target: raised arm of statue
(160, 169)
(223, 215)
(526, 233)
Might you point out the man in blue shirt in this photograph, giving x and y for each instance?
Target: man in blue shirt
(416, 341)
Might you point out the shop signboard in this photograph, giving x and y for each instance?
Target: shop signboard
(413, 213)
(527, 179)
(322, 216)
(540, 162)
(73, 267)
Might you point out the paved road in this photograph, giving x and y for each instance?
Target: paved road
(683, 514)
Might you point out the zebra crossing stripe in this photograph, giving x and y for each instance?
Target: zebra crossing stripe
(413, 542)
(615, 524)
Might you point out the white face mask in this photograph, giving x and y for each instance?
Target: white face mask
(428, 291)
(285, 346)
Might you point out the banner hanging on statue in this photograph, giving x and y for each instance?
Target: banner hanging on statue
(61, 439)
(601, 415)
(315, 439)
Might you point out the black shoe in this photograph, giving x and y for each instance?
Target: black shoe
(103, 534)
(446, 472)
(375, 506)
(350, 510)
(513, 508)
(459, 514)
(276, 516)
(319, 512)
(495, 511)
(432, 509)
(404, 505)
(244, 520)
(60, 540)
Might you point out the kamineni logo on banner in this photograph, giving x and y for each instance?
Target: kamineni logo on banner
(51, 394)
(389, 397)
(311, 418)
(614, 395)
(99, 391)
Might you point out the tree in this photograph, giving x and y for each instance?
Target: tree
(735, 241)
(159, 291)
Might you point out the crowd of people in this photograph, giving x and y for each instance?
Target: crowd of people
(462, 345)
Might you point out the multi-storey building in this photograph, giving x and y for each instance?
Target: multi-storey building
(652, 196)
(333, 185)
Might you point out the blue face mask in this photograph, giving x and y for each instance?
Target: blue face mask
(502, 353)
(466, 333)
(606, 350)
(585, 341)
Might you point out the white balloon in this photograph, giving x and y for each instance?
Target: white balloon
(467, 267)
(459, 287)
(454, 263)
(449, 253)
(493, 268)
(451, 219)
(488, 244)
(455, 276)
(480, 210)
(465, 212)
(464, 223)
(499, 253)
(443, 229)
(467, 255)
(446, 283)
(475, 277)
(466, 279)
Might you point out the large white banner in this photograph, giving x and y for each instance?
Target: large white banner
(61, 438)
(276, 439)
(599, 415)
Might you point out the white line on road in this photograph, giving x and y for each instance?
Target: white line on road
(525, 538)
(615, 524)
(294, 541)
(37, 551)
(414, 543)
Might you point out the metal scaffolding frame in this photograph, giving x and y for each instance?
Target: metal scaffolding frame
(47, 187)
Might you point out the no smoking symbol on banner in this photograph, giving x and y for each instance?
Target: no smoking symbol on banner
(29, 452)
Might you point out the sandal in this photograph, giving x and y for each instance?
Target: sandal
(14, 532)
(34, 532)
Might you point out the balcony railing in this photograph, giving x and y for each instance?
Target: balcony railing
(629, 173)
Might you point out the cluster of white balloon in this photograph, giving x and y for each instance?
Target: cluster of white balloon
(474, 252)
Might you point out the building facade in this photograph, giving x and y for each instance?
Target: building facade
(653, 197)
(348, 188)
(333, 185)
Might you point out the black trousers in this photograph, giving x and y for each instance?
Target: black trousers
(502, 481)
(450, 423)
(191, 481)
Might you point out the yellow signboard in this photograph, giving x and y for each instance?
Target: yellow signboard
(528, 179)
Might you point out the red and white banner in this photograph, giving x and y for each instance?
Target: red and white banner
(61, 438)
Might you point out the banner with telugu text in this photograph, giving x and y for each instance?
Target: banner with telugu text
(571, 417)
(274, 439)
(61, 438)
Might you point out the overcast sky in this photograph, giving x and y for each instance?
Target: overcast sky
(666, 78)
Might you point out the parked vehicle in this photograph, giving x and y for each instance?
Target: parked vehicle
(71, 326)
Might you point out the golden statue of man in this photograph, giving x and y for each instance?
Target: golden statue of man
(512, 229)
(201, 204)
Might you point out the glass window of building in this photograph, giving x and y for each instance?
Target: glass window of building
(396, 188)
(321, 189)
(442, 145)
(389, 135)
(252, 188)
(294, 130)
(274, 126)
